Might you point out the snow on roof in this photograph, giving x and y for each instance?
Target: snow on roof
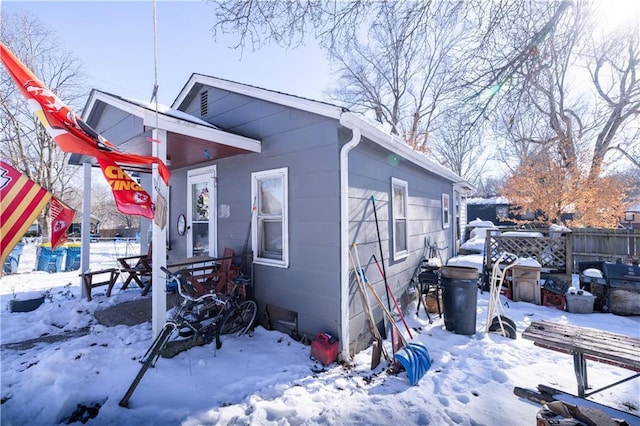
(479, 223)
(492, 200)
(558, 228)
(163, 109)
(523, 234)
(633, 208)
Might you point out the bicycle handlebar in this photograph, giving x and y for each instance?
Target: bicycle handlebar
(176, 276)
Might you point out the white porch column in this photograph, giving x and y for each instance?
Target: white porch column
(85, 227)
(159, 239)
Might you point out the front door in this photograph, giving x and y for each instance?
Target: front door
(201, 212)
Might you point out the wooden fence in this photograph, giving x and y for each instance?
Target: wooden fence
(563, 253)
(604, 245)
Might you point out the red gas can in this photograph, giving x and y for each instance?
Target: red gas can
(324, 348)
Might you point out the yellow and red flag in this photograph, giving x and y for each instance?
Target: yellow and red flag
(130, 197)
(21, 201)
(70, 133)
(61, 219)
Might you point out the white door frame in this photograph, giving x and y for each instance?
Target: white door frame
(194, 176)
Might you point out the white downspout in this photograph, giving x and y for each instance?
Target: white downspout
(344, 233)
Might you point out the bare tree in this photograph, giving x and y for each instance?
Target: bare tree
(508, 36)
(24, 142)
(615, 71)
(538, 116)
(402, 72)
(415, 55)
(461, 146)
(103, 207)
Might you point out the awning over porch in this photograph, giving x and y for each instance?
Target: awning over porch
(128, 124)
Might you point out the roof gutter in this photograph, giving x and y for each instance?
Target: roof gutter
(345, 121)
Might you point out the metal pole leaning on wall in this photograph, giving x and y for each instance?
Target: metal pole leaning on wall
(384, 272)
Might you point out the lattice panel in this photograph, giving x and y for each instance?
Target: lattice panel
(549, 252)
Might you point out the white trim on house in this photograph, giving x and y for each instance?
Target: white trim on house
(259, 219)
(180, 122)
(292, 101)
(404, 185)
(375, 133)
(368, 129)
(446, 211)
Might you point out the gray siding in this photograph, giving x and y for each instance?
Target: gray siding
(116, 125)
(370, 174)
(307, 145)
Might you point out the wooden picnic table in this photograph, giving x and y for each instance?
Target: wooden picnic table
(587, 343)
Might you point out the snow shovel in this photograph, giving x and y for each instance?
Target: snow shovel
(414, 357)
(415, 360)
(378, 348)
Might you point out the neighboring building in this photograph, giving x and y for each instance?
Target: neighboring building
(310, 168)
(494, 209)
(631, 217)
(75, 229)
(499, 211)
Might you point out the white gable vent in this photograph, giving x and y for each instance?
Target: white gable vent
(204, 103)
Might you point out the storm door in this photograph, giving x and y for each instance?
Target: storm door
(201, 212)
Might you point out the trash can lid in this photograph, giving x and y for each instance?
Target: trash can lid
(461, 272)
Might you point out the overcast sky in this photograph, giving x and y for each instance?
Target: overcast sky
(114, 41)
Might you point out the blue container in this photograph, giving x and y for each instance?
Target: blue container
(72, 260)
(49, 260)
(12, 261)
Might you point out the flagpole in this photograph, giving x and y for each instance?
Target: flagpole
(159, 237)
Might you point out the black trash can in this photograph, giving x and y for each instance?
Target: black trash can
(460, 298)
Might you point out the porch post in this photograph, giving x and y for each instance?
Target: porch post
(159, 239)
(85, 227)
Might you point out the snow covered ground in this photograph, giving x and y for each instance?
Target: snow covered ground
(267, 378)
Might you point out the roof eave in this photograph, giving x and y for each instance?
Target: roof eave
(316, 107)
(395, 144)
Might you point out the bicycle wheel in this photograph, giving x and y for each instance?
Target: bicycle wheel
(238, 320)
(152, 354)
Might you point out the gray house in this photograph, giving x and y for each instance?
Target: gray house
(295, 178)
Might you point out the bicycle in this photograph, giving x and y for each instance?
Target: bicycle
(202, 318)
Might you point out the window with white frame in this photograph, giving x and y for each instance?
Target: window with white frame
(446, 218)
(269, 230)
(399, 193)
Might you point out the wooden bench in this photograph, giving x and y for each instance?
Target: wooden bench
(587, 343)
(208, 274)
(87, 280)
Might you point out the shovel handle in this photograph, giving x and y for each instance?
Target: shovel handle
(387, 313)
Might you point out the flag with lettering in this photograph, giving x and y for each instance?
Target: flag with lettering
(70, 133)
(61, 219)
(21, 201)
(130, 197)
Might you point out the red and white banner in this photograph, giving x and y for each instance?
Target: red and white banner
(61, 219)
(70, 133)
(130, 197)
(21, 201)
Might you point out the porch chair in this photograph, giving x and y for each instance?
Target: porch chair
(137, 269)
(215, 277)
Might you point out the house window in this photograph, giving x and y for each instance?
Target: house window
(269, 229)
(399, 191)
(445, 211)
